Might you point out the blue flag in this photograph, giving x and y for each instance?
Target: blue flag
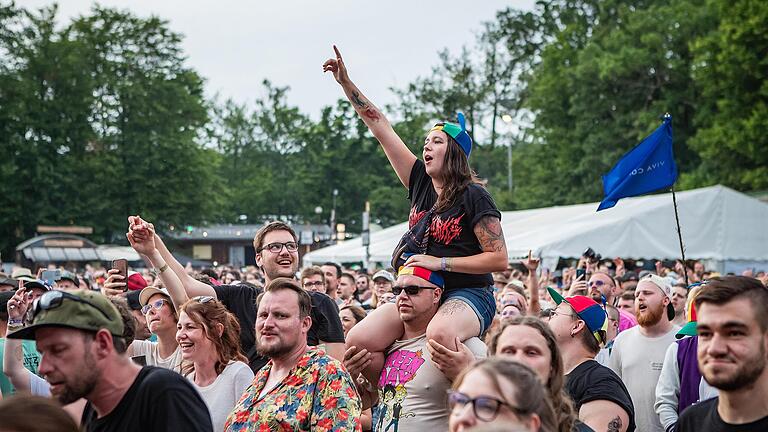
(649, 166)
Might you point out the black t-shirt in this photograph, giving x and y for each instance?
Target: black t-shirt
(451, 233)
(592, 381)
(703, 417)
(241, 301)
(158, 400)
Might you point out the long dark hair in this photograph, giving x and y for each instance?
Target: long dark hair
(456, 174)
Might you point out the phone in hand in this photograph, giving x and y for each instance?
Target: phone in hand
(51, 276)
(122, 266)
(580, 273)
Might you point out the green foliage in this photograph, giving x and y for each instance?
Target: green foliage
(101, 118)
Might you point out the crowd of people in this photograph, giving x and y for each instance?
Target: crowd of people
(449, 336)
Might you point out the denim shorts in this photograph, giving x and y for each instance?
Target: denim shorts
(481, 301)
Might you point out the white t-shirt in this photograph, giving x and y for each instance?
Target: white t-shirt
(412, 390)
(223, 393)
(150, 352)
(638, 360)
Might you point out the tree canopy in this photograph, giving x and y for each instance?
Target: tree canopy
(102, 117)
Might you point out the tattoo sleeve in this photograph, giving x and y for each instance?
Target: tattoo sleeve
(489, 234)
(614, 425)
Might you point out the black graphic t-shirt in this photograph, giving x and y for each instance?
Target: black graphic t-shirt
(451, 233)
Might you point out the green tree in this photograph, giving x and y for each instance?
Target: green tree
(730, 69)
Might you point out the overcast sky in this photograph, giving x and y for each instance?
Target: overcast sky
(234, 45)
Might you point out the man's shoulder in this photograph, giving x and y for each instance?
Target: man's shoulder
(153, 376)
(697, 414)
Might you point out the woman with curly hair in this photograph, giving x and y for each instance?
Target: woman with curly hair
(209, 339)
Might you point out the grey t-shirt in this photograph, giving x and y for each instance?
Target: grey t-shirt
(412, 391)
(638, 360)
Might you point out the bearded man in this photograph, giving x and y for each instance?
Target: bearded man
(638, 353)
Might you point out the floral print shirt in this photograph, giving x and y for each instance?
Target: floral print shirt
(318, 395)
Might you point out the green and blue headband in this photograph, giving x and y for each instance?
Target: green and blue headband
(458, 132)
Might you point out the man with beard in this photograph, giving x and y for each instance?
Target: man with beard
(638, 353)
(301, 388)
(277, 255)
(80, 335)
(732, 314)
(601, 285)
(332, 273)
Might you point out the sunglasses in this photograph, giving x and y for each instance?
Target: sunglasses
(409, 289)
(277, 247)
(203, 299)
(484, 408)
(54, 299)
(156, 305)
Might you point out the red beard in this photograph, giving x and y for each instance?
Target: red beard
(650, 317)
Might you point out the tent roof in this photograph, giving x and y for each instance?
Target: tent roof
(717, 223)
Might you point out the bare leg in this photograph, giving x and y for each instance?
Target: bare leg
(376, 333)
(454, 318)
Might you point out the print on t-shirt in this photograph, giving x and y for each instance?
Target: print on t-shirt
(399, 368)
(446, 230)
(415, 216)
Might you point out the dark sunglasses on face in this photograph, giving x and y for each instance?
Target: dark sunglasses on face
(484, 408)
(409, 289)
(53, 299)
(277, 247)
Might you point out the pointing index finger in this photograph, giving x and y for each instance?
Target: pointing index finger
(338, 54)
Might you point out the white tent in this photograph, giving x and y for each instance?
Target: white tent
(724, 227)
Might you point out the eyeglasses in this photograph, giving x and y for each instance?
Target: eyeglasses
(277, 247)
(553, 312)
(54, 299)
(484, 408)
(411, 290)
(598, 283)
(311, 284)
(156, 305)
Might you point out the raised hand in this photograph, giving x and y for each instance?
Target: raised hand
(532, 263)
(337, 67)
(114, 285)
(18, 304)
(141, 235)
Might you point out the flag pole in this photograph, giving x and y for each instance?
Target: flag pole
(680, 236)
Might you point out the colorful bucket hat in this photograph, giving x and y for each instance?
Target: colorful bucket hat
(588, 310)
(458, 132)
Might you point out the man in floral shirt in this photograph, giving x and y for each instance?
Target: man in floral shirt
(301, 388)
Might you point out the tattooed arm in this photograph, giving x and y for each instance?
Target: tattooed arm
(397, 152)
(604, 416)
(494, 255)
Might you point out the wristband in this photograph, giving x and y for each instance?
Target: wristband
(163, 268)
(442, 263)
(449, 264)
(15, 323)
